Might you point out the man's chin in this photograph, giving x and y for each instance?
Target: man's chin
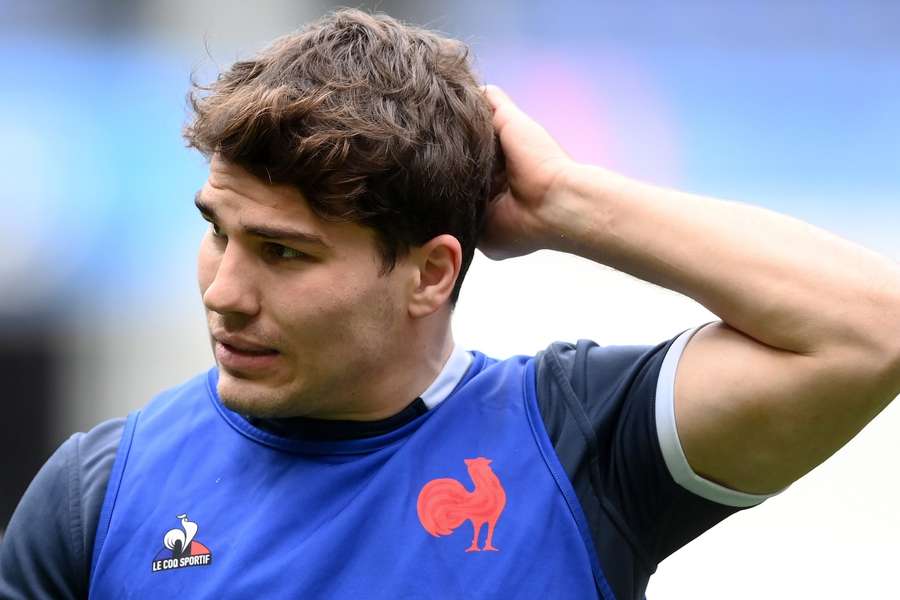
(251, 398)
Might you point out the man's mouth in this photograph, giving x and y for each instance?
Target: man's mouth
(239, 343)
(244, 356)
(248, 351)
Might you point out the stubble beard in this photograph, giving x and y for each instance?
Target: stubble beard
(244, 398)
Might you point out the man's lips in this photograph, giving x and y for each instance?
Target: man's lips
(248, 350)
(238, 354)
(234, 359)
(241, 344)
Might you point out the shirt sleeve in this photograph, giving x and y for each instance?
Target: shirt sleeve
(609, 413)
(670, 445)
(46, 550)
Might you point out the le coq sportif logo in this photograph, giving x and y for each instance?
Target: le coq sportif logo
(181, 548)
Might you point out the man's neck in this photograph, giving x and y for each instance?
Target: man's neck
(409, 375)
(400, 375)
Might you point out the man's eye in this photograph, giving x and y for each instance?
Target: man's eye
(283, 252)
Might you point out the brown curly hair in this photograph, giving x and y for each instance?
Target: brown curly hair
(374, 121)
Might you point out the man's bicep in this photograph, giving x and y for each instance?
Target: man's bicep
(756, 418)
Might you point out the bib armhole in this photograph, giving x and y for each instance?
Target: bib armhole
(562, 480)
(112, 488)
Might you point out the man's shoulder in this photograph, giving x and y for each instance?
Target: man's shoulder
(48, 545)
(566, 358)
(598, 406)
(62, 505)
(96, 451)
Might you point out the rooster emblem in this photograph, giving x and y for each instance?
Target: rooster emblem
(179, 540)
(444, 504)
(180, 549)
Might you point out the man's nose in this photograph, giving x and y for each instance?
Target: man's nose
(233, 289)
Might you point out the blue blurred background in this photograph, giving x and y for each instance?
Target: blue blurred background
(791, 105)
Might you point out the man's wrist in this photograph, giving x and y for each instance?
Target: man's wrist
(579, 207)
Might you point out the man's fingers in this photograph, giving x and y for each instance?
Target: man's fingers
(501, 104)
(495, 95)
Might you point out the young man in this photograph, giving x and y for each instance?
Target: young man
(345, 447)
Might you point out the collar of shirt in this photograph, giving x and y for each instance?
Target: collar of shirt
(333, 430)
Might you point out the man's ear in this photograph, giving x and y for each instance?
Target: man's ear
(438, 263)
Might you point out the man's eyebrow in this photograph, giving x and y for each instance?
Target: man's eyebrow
(265, 231)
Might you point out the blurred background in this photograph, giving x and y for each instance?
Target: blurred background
(791, 105)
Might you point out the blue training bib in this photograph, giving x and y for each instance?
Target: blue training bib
(468, 500)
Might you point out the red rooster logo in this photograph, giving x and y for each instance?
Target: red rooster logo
(444, 504)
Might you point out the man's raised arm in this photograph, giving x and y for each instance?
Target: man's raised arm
(808, 348)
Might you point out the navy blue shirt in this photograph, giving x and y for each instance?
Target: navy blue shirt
(604, 408)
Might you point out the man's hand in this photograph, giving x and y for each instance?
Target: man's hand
(519, 220)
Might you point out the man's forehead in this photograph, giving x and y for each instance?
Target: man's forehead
(232, 192)
(219, 196)
(226, 177)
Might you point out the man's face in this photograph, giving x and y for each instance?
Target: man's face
(299, 314)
